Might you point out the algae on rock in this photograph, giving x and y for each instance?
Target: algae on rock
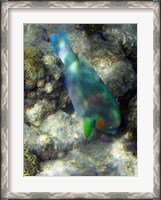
(33, 71)
(31, 163)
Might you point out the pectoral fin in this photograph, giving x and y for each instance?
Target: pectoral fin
(88, 126)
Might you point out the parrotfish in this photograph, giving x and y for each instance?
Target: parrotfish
(91, 98)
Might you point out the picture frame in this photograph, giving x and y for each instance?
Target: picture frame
(5, 164)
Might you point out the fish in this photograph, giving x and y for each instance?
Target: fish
(91, 98)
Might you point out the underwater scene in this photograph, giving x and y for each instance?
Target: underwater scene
(80, 100)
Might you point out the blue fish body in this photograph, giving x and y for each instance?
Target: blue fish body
(89, 95)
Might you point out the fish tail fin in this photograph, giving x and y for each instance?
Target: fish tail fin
(65, 38)
(54, 39)
(62, 47)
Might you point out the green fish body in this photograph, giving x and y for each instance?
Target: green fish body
(90, 97)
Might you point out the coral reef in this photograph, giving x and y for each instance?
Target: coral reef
(53, 133)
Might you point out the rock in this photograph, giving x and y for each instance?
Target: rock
(50, 29)
(31, 95)
(126, 35)
(64, 99)
(50, 59)
(66, 131)
(31, 51)
(57, 72)
(52, 67)
(37, 35)
(47, 78)
(98, 158)
(40, 83)
(120, 78)
(132, 114)
(56, 135)
(48, 88)
(61, 155)
(36, 114)
(92, 28)
(40, 144)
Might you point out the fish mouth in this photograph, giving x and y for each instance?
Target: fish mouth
(112, 132)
